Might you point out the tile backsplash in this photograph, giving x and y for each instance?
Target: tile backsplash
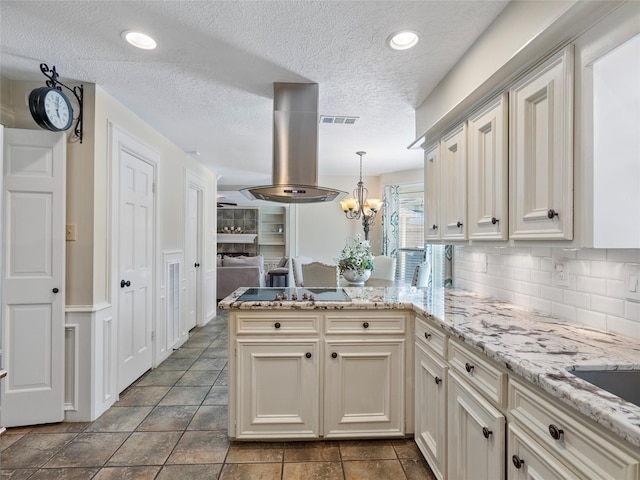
(595, 294)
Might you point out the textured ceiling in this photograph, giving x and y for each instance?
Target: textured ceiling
(208, 86)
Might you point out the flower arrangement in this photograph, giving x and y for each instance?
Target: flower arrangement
(356, 255)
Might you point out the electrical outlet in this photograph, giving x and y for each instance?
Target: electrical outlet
(559, 276)
(71, 233)
(632, 282)
(484, 263)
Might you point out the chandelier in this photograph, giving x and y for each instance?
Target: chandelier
(360, 206)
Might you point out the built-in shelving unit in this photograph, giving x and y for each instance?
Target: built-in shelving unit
(272, 233)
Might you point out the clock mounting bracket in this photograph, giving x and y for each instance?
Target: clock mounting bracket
(78, 92)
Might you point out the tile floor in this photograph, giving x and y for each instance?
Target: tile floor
(171, 424)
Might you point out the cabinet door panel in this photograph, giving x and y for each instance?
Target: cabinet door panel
(431, 409)
(432, 193)
(488, 179)
(454, 183)
(278, 385)
(541, 152)
(364, 392)
(470, 453)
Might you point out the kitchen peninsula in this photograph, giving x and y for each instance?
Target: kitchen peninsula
(470, 375)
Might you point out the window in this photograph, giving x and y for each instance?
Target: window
(410, 230)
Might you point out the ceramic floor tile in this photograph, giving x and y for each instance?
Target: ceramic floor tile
(198, 378)
(160, 378)
(312, 471)
(185, 352)
(119, 419)
(215, 352)
(9, 439)
(373, 449)
(406, 449)
(260, 471)
(127, 473)
(373, 469)
(197, 343)
(172, 363)
(61, 427)
(88, 450)
(145, 448)
(255, 452)
(64, 473)
(212, 417)
(209, 364)
(185, 396)
(223, 379)
(168, 418)
(312, 452)
(417, 469)
(218, 395)
(17, 474)
(34, 450)
(142, 396)
(190, 472)
(200, 447)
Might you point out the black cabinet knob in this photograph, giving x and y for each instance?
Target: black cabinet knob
(277, 325)
(55, 290)
(517, 462)
(334, 355)
(196, 265)
(365, 325)
(555, 432)
(552, 213)
(468, 367)
(438, 380)
(125, 283)
(308, 354)
(434, 227)
(427, 335)
(494, 220)
(486, 432)
(459, 224)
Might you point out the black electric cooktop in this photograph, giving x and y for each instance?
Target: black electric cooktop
(294, 294)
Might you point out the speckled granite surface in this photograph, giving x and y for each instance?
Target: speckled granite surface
(535, 346)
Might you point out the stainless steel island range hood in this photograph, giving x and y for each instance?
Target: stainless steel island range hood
(295, 148)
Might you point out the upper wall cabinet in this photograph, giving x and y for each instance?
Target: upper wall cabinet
(432, 193)
(541, 152)
(488, 174)
(453, 174)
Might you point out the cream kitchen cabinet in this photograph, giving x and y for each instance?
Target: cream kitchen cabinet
(453, 176)
(488, 172)
(432, 193)
(541, 152)
(296, 374)
(431, 396)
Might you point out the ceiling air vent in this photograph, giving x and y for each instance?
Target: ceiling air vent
(338, 119)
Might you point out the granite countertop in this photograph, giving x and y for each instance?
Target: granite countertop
(532, 345)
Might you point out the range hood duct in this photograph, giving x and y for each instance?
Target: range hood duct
(295, 148)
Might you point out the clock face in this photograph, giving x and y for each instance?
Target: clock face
(51, 109)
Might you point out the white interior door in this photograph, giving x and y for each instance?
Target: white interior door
(33, 277)
(193, 255)
(135, 276)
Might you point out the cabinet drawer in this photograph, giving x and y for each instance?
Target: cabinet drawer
(591, 453)
(487, 378)
(273, 323)
(431, 337)
(366, 323)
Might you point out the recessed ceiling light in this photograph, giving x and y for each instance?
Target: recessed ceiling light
(403, 40)
(139, 40)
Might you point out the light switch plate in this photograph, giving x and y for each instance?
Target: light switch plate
(71, 233)
(632, 281)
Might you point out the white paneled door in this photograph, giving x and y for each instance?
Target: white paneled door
(193, 255)
(135, 272)
(33, 281)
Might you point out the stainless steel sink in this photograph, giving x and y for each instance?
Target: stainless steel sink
(622, 383)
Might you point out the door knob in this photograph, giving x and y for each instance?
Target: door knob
(459, 224)
(196, 265)
(486, 432)
(552, 213)
(517, 461)
(55, 290)
(125, 283)
(334, 355)
(438, 380)
(468, 367)
(434, 227)
(494, 220)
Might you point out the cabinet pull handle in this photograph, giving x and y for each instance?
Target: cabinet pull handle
(468, 367)
(486, 432)
(438, 380)
(434, 227)
(494, 220)
(517, 462)
(552, 213)
(125, 283)
(427, 335)
(277, 325)
(334, 355)
(555, 432)
(459, 224)
(308, 354)
(365, 325)
(55, 290)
